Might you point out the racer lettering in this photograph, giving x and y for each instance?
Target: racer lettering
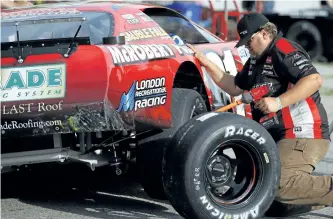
(231, 131)
(254, 212)
(147, 93)
(129, 54)
(144, 33)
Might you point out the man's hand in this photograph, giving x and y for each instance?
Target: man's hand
(267, 105)
(204, 61)
(223, 80)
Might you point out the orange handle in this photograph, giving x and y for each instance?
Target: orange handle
(229, 106)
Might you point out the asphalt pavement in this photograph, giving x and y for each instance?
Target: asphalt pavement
(72, 192)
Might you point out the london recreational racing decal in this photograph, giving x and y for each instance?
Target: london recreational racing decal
(146, 93)
(33, 82)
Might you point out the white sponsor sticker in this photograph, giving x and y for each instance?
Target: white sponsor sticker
(244, 54)
(130, 18)
(33, 82)
(129, 54)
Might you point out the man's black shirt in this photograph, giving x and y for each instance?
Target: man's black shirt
(280, 67)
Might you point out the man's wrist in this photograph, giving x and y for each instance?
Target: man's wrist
(278, 100)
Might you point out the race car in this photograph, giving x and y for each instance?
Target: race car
(109, 84)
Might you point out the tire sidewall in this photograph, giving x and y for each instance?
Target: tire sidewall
(151, 150)
(309, 28)
(192, 104)
(202, 204)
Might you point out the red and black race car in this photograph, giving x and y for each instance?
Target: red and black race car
(108, 83)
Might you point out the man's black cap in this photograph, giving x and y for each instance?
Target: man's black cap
(248, 25)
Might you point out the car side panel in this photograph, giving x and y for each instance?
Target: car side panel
(140, 31)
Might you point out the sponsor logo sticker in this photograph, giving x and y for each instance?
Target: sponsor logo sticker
(144, 33)
(129, 54)
(33, 82)
(143, 94)
(12, 125)
(130, 18)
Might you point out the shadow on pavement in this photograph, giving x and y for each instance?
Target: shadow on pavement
(77, 190)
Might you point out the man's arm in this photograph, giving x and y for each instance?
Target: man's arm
(225, 81)
(304, 88)
(303, 75)
(299, 71)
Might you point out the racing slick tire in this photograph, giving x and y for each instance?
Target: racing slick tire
(186, 103)
(203, 180)
(308, 36)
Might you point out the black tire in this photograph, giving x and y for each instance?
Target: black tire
(308, 36)
(184, 166)
(186, 103)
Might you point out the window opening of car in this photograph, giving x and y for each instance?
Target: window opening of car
(175, 24)
(97, 26)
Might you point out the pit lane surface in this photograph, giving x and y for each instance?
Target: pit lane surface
(72, 192)
(66, 194)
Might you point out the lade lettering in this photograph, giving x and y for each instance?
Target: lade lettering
(147, 93)
(129, 54)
